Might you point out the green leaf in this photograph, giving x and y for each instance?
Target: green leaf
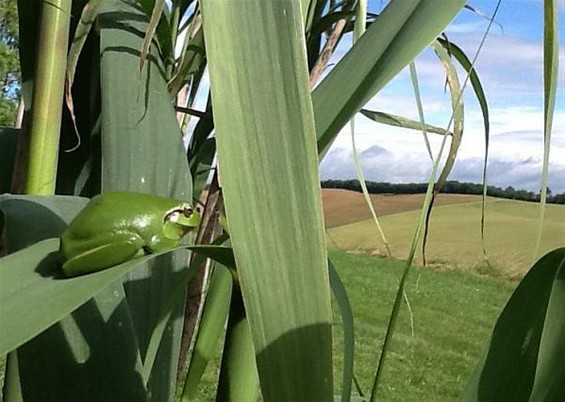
(342, 299)
(216, 309)
(30, 219)
(219, 254)
(550, 69)
(34, 294)
(32, 280)
(400, 33)
(525, 358)
(150, 32)
(269, 172)
(457, 112)
(399, 121)
(142, 151)
(238, 380)
(193, 59)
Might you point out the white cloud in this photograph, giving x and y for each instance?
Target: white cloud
(381, 164)
(399, 155)
(511, 72)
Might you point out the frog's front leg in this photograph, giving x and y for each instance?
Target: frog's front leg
(101, 252)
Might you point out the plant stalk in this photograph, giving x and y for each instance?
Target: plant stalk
(48, 97)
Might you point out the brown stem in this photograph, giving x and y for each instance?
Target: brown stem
(327, 51)
(196, 294)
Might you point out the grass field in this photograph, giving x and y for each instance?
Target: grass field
(454, 238)
(453, 314)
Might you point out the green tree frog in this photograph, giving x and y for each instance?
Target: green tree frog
(116, 227)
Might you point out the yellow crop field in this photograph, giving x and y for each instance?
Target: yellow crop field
(455, 235)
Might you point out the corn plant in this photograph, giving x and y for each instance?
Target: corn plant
(108, 96)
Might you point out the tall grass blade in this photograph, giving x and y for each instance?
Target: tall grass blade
(550, 69)
(150, 32)
(400, 293)
(269, 174)
(464, 61)
(359, 30)
(399, 121)
(418, 98)
(87, 18)
(342, 299)
(455, 89)
(457, 117)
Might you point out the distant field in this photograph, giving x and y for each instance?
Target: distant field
(454, 239)
(343, 206)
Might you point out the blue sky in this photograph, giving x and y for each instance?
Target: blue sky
(510, 67)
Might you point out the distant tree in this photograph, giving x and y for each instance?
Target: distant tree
(450, 187)
(9, 62)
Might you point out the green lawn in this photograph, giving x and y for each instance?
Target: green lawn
(455, 237)
(453, 314)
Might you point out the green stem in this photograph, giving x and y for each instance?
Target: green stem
(239, 380)
(48, 97)
(174, 33)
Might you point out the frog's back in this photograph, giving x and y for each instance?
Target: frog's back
(121, 210)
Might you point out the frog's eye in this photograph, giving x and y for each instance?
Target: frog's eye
(187, 212)
(179, 213)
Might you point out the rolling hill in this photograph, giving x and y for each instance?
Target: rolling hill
(454, 239)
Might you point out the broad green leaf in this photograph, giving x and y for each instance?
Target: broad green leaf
(30, 219)
(34, 293)
(525, 358)
(400, 33)
(142, 151)
(95, 346)
(269, 175)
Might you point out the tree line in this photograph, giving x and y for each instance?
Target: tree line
(450, 187)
